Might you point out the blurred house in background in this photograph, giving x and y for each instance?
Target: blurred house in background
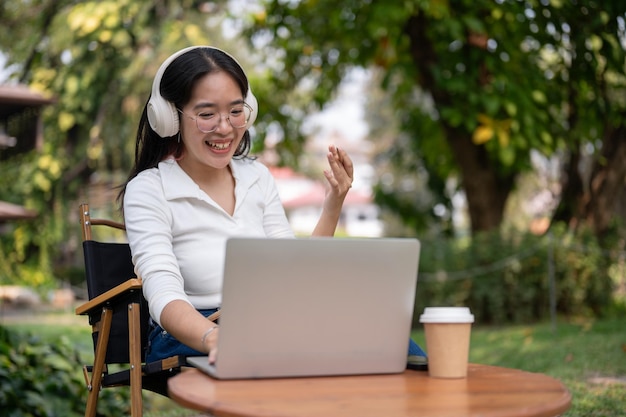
(303, 198)
(21, 130)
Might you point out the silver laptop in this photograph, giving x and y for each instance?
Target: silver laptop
(315, 307)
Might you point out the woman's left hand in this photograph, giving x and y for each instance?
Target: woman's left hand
(339, 176)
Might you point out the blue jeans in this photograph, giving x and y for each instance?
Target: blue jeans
(162, 345)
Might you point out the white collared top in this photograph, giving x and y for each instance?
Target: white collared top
(177, 233)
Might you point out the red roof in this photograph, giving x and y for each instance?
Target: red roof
(314, 196)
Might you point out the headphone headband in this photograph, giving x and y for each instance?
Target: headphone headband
(162, 114)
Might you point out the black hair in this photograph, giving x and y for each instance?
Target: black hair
(177, 83)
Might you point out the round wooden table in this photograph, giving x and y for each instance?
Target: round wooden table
(488, 391)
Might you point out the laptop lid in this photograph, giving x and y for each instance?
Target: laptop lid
(315, 306)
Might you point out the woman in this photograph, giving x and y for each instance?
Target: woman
(193, 186)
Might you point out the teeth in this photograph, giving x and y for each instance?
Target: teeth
(218, 146)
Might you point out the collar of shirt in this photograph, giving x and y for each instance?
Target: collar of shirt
(177, 184)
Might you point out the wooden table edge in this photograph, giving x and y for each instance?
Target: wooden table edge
(556, 408)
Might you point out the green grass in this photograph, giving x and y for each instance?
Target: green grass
(589, 357)
(51, 325)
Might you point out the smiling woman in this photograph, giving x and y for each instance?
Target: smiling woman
(194, 186)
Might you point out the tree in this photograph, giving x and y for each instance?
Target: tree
(586, 67)
(98, 59)
(502, 78)
(473, 87)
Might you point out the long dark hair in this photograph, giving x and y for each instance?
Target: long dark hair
(177, 82)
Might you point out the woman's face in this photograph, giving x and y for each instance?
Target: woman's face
(214, 98)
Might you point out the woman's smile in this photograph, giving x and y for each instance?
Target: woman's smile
(219, 146)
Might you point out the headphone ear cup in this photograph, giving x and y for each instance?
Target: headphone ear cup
(163, 117)
(252, 102)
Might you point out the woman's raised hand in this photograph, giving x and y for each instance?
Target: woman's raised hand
(339, 176)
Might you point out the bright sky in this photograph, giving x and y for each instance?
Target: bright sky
(346, 113)
(4, 73)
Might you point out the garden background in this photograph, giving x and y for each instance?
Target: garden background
(495, 132)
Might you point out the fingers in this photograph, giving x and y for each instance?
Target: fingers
(331, 179)
(213, 355)
(341, 167)
(344, 159)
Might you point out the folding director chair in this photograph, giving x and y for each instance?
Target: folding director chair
(118, 314)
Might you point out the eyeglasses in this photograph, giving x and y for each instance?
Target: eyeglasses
(208, 121)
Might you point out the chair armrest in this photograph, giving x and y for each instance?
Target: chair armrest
(97, 303)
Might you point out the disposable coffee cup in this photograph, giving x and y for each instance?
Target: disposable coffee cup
(447, 331)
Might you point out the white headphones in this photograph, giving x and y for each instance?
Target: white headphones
(162, 114)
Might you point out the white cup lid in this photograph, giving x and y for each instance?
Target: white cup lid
(447, 315)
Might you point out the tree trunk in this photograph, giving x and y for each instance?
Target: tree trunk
(572, 188)
(594, 202)
(607, 182)
(486, 189)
